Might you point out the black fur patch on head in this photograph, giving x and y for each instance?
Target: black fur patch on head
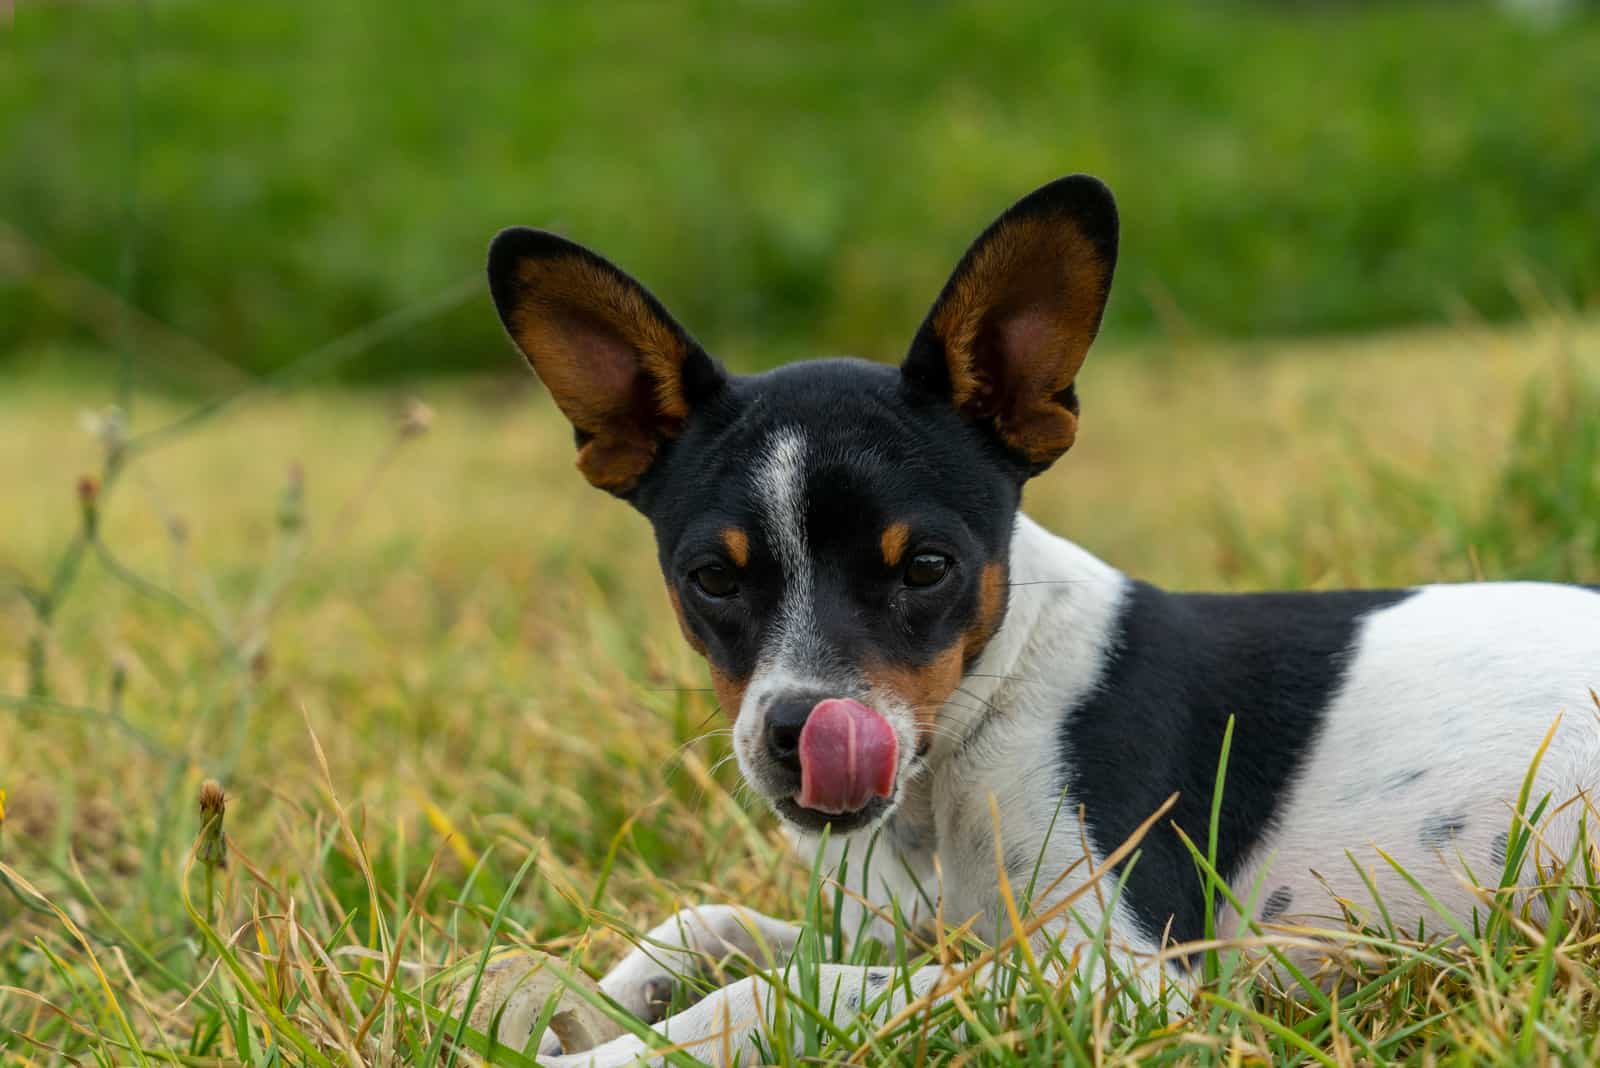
(1180, 665)
(874, 453)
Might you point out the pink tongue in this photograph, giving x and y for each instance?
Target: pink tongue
(847, 755)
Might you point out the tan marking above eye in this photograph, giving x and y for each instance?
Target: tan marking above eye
(893, 542)
(737, 542)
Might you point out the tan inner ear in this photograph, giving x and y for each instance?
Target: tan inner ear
(1017, 325)
(612, 365)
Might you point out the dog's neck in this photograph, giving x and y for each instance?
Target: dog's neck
(1060, 621)
(1060, 608)
(1047, 655)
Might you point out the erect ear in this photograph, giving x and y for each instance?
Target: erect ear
(1006, 338)
(620, 369)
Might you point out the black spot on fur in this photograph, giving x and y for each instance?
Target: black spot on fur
(1180, 665)
(1401, 779)
(1497, 849)
(1277, 903)
(877, 980)
(1441, 830)
(852, 1002)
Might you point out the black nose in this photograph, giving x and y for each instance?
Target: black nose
(786, 718)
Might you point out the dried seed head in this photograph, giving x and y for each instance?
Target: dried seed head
(415, 419)
(88, 501)
(213, 849)
(213, 802)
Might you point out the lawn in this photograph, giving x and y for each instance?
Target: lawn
(265, 176)
(420, 653)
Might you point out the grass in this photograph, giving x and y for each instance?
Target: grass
(435, 673)
(437, 676)
(263, 177)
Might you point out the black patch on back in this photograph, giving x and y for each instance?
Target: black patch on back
(1180, 665)
(877, 980)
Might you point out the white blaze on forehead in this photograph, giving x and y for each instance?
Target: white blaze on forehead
(780, 486)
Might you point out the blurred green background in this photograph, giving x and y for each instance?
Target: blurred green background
(789, 178)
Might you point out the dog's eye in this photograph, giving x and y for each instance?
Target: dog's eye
(715, 580)
(927, 569)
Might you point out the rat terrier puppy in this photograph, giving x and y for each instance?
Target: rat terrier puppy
(897, 644)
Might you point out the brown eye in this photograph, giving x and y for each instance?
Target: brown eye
(715, 580)
(927, 569)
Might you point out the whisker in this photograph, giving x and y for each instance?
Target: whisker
(1049, 582)
(1005, 678)
(718, 765)
(987, 704)
(715, 732)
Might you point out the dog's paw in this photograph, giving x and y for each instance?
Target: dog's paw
(649, 998)
(642, 986)
(514, 989)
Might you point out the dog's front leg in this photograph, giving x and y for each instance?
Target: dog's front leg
(695, 942)
(722, 1028)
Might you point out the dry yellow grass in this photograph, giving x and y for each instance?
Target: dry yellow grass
(483, 649)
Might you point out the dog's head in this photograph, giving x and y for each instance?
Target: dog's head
(834, 534)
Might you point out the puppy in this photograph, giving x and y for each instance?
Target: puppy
(900, 649)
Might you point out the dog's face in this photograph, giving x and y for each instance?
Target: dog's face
(833, 534)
